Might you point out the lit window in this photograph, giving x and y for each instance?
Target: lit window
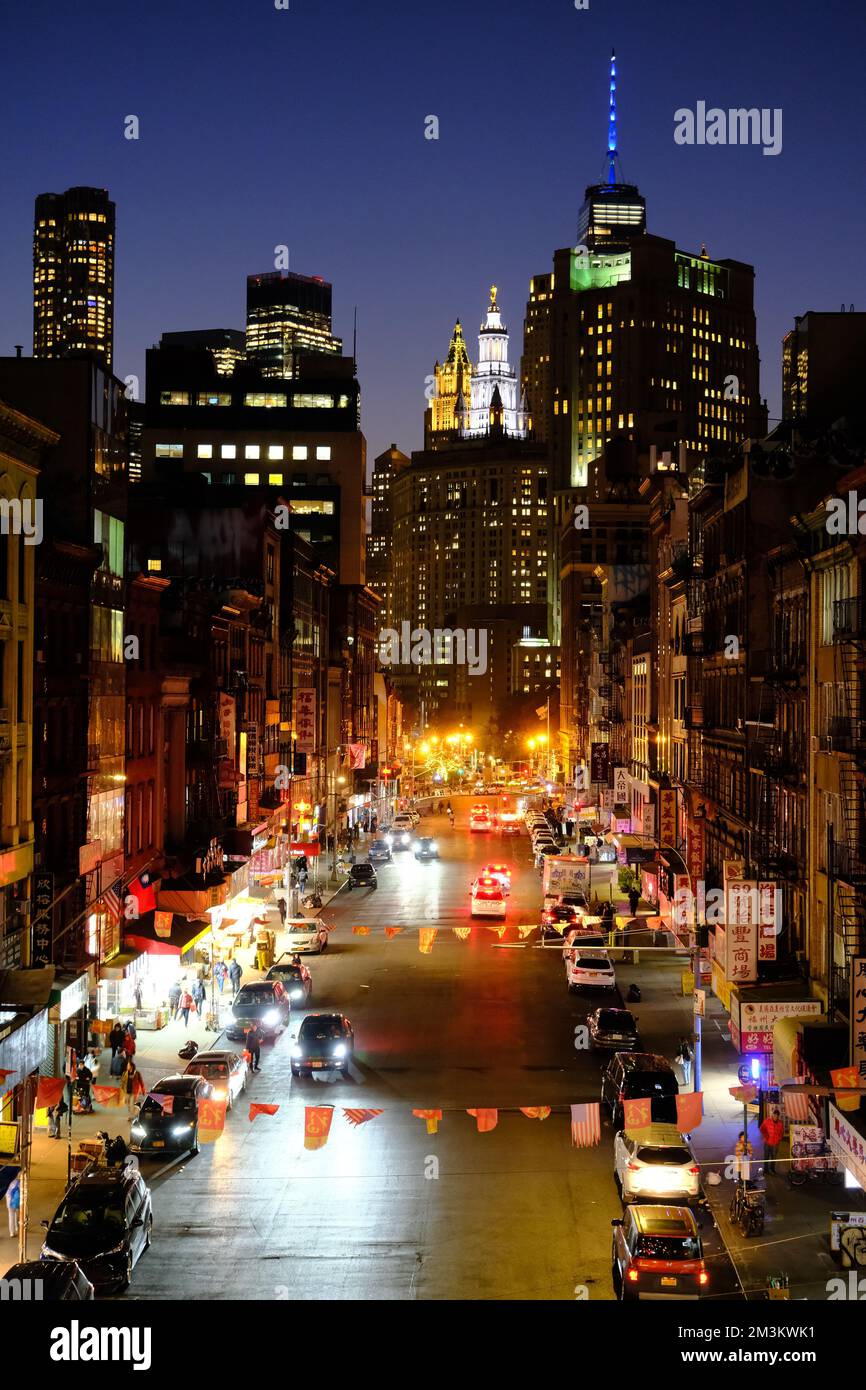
(275, 451)
(268, 399)
(252, 451)
(251, 479)
(213, 398)
(154, 566)
(174, 397)
(275, 479)
(323, 451)
(169, 451)
(306, 400)
(205, 451)
(299, 451)
(228, 451)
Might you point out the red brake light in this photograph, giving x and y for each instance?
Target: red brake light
(704, 1277)
(632, 1275)
(694, 1170)
(633, 1167)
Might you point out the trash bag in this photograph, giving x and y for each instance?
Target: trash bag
(188, 1051)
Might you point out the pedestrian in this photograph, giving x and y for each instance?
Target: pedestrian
(772, 1132)
(283, 910)
(254, 1048)
(118, 1063)
(13, 1203)
(115, 1038)
(219, 974)
(85, 1077)
(186, 1003)
(742, 1157)
(129, 1045)
(198, 994)
(136, 994)
(133, 1085)
(174, 999)
(633, 900)
(302, 881)
(684, 1057)
(55, 1115)
(235, 972)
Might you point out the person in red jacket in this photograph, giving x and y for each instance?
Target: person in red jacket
(772, 1132)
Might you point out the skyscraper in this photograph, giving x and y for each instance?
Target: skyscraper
(73, 275)
(287, 315)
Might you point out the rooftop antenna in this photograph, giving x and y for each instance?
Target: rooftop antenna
(355, 341)
(611, 125)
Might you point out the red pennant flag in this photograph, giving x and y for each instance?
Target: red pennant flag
(392, 931)
(162, 923)
(106, 1095)
(844, 1078)
(535, 1112)
(360, 1117)
(211, 1120)
(426, 937)
(432, 1117)
(4, 1074)
(164, 1101)
(744, 1094)
(637, 1114)
(360, 931)
(257, 1108)
(317, 1125)
(49, 1091)
(690, 1111)
(585, 1125)
(485, 1119)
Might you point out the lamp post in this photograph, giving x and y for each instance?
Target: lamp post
(695, 964)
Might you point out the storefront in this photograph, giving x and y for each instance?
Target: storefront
(848, 1142)
(67, 1017)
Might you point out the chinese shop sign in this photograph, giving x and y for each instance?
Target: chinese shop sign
(858, 1016)
(668, 818)
(741, 933)
(305, 720)
(599, 762)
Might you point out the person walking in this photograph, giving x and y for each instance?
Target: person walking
(283, 910)
(684, 1057)
(136, 994)
(186, 1003)
(198, 994)
(13, 1204)
(219, 974)
(129, 1043)
(174, 999)
(235, 972)
(302, 881)
(742, 1157)
(633, 900)
(254, 1048)
(115, 1038)
(55, 1115)
(772, 1131)
(85, 1077)
(132, 1086)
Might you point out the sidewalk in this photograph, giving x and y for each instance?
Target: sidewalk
(156, 1057)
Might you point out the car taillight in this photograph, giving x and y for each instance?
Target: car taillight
(633, 1167)
(704, 1276)
(694, 1170)
(621, 1097)
(632, 1276)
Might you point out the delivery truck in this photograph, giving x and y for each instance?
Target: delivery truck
(565, 873)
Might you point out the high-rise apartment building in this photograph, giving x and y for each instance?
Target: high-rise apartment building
(823, 367)
(288, 315)
(73, 275)
(380, 552)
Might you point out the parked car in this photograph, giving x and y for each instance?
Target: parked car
(50, 1281)
(323, 1041)
(306, 934)
(263, 1002)
(379, 852)
(613, 1029)
(655, 1162)
(555, 919)
(295, 978)
(171, 1128)
(657, 1253)
(426, 848)
(636, 1076)
(588, 968)
(226, 1072)
(362, 876)
(103, 1224)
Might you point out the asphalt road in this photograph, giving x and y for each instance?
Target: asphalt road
(386, 1211)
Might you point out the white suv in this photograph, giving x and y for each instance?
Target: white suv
(656, 1162)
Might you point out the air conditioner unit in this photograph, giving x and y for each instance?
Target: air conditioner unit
(814, 743)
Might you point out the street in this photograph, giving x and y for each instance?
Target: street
(387, 1211)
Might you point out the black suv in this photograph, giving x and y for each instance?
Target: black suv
(323, 1042)
(638, 1076)
(104, 1222)
(170, 1125)
(362, 876)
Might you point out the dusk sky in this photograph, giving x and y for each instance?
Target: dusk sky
(306, 127)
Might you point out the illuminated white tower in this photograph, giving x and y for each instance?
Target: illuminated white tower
(494, 371)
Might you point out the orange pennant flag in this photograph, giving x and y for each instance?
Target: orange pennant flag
(106, 1095)
(500, 930)
(485, 1119)
(463, 932)
(392, 931)
(637, 1114)
(535, 1112)
(49, 1091)
(360, 1117)
(432, 1117)
(360, 931)
(426, 937)
(257, 1108)
(845, 1077)
(211, 1120)
(690, 1111)
(317, 1125)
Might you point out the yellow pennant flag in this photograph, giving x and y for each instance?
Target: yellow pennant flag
(500, 930)
(463, 932)
(525, 931)
(432, 1117)
(535, 1112)
(426, 937)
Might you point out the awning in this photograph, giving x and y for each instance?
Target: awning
(119, 967)
(70, 994)
(184, 935)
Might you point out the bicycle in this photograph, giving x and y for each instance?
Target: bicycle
(747, 1208)
(820, 1168)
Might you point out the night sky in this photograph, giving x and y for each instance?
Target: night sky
(306, 127)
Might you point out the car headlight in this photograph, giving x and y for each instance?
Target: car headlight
(297, 994)
(405, 839)
(138, 1130)
(271, 1017)
(297, 1052)
(340, 1050)
(181, 1129)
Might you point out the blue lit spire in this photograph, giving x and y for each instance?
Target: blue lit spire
(611, 128)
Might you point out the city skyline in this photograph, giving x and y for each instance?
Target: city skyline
(176, 273)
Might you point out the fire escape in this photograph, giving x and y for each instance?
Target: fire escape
(845, 736)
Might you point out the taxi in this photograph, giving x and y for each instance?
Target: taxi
(487, 898)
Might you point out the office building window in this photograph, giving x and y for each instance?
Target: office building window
(169, 451)
(174, 397)
(251, 479)
(275, 452)
(252, 451)
(275, 479)
(299, 451)
(266, 399)
(323, 452)
(228, 451)
(213, 398)
(205, 451)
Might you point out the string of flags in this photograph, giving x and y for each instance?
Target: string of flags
(427, 935)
